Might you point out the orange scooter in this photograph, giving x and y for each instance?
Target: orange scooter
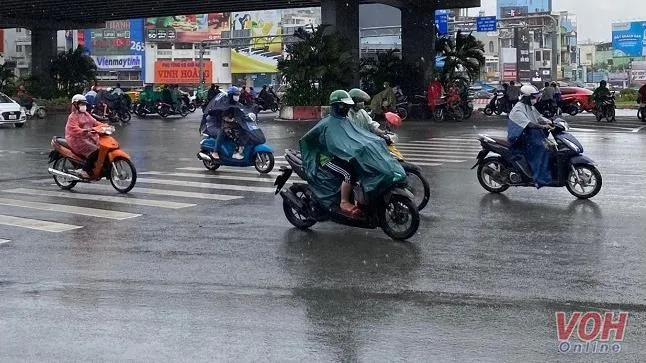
(113, 163)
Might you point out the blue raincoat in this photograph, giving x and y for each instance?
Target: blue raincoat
(530, 141)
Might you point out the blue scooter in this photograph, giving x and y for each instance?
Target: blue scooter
(259, 155)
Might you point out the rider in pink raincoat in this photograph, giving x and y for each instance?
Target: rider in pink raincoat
(82, 139)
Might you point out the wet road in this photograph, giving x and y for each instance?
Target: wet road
(199, 266)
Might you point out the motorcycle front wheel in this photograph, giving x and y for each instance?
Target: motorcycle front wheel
(41, 113)
(399, 218)
(264, 162)
(123, 175)
(402, 113)
(293, 216)
(589, 181)
(418, 185)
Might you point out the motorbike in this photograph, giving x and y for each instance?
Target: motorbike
(165, 109)
(35, 110)
(571, 106)
(263, 106)
(548, 109)
(570, 168)
(498, 104)
(417, 183)
(445, 111)
(146, 108)
(607, 109)
(186, 101)
(113, 163)
(393, 210)
(466, 103)
(256, 154)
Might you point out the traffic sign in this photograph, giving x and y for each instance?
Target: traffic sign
(486, 24)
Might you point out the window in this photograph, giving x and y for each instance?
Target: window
(18, 30)
(537, 56)
(18, 48)
(491, 47)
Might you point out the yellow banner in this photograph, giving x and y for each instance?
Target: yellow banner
(248, 63)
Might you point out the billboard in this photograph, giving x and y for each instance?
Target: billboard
(182, 72)
(187, 28)
(261, 42)
(513, 8)
(522, 46)
(628, 39)
(118, 46)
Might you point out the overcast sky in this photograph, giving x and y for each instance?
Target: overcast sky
(594, 17)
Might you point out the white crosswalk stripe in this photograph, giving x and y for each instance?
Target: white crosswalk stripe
(243, 188)
(62, 208)
(3, 241)
(209, 176)
(36, 224)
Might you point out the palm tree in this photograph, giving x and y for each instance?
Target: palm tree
(463, 57)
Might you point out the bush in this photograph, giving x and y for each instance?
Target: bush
(57, 104)
(627, 95)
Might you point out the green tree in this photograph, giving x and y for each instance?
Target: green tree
(7, 76)
(388, 67)
(72, 71)
(315, 66)
(463, 57)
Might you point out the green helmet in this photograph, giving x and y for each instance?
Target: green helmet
(340, 96)
(359, 95)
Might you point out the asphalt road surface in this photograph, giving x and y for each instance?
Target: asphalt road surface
(195, 265)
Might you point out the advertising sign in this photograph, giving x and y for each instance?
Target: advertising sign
(628, 39)
(260, 45)
(119, 38)
(182, 72)
(187, 28)
(442, 21)
(509, 71)
(118, 62)
(524, 64)
(486, 24)
(1, 41)
(511, 8)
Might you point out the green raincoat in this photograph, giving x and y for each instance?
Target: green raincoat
(385, 96)
(339, 137)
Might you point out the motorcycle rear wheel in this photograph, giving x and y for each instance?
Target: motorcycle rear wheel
(489, 185)
(400, 211)
(210, 165)
(296, 219)
(64, 165)
(402, 113)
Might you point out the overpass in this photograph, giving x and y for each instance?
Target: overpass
(45, 17)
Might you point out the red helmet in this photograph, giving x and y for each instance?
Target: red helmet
(393, 119)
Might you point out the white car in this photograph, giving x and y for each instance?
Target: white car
(11, 112)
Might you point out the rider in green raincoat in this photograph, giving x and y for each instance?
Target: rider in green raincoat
(337, 147)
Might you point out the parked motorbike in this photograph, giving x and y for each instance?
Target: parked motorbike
(570, 168)
(445, 111)
(113, 163)
(186, 101)
(257, 154)
(498, 104)
(466, 103)
(417, 183)
(264, 106)
(35, 110)
(571, 106)
(146, 108)
(393, 210)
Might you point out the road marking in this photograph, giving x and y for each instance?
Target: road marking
(427, 164)
(429, 144)
(206, 185)
(102, 198)
(639, 129)
(416, 160)
(36, 224)
(248, 170)
(3, 241)
(211, 176)
(174, 193)
(443, 153)
(461, 151)
(51, 207)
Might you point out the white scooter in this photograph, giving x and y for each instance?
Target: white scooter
(35, 110)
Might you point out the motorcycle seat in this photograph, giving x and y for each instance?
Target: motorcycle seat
(501, 141)
(61, 141)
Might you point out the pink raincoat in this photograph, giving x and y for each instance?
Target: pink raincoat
(78, 136)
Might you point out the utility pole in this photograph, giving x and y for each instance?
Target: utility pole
(202, 75)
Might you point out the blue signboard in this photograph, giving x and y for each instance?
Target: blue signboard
(442, 21)
(118, 40)
(628, 39)
(486, 24)
(512, 8)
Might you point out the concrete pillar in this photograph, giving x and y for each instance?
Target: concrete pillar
(343, 18)
(418, 39)
(43, 50)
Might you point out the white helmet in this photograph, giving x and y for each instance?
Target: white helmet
(529, 90)
(109, 89)
(78, 98)
(252, 116)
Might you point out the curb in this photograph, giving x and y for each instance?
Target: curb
(302, 113)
